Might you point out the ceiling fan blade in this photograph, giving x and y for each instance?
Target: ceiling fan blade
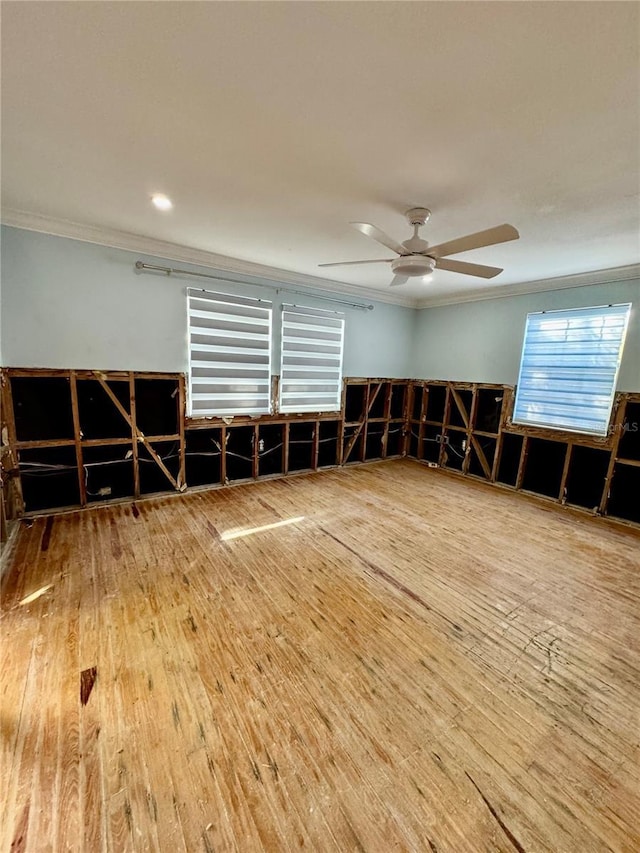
(380, 237)
(348, 263)
(467, 269)
(399, 279)
(500, 234)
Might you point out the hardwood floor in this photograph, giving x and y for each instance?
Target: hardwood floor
(395, 660)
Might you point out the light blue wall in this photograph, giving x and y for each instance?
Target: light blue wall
(482, 341)
(72, 304)
(66, 303)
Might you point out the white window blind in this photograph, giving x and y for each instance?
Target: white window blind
(311, 366)
(569, 368)
(229, 355)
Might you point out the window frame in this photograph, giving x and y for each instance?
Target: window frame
(306, 310)
(223, 298)
(529, 424)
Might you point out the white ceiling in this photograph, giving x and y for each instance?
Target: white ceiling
(272, 125)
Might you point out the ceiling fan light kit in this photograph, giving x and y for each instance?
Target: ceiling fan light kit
(416, 259)
(413, 265)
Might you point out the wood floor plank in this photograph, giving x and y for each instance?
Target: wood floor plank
(375, 658)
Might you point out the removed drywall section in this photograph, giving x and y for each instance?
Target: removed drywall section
(49, 478)
(301, 446)
(271, 449)
(71, 304)
(329, 432)
(482, 341)
(42, 408)
(204, 456)
(510, 459)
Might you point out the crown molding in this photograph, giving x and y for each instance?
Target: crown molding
(565, 282)
(164, 250)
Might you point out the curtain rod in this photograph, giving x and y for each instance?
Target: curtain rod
(139, 265)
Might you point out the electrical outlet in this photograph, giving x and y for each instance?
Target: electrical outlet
(104, 491)
(432, 464)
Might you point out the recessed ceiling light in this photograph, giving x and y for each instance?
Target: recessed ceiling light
(162, 201)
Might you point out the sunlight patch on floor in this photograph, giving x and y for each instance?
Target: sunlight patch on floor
(249, 531)
(29, 598)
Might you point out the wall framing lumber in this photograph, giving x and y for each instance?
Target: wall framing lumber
(387, 418)
(247, 420)
(445, 420)
(87, 442)
(316, 446)
(340, 446)
(182, 408)
(468, 411)
(79, 442)
(459, 405)
(134, 444)
(12, 498)
(49, 442)
(565, 472)
(369, 400)
(254, 453)
(103, 442)
(634, 463)
(496, 460)
(29, 372)
(364, 428)
(387, 401)
(423, 415)
(4, 527)
(523, 458)
(82, 485)
(616, 433)
(223, 458)
(470, 416)
(136, 433)
(473, 442)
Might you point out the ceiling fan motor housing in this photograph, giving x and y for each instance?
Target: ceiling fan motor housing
(413, 265)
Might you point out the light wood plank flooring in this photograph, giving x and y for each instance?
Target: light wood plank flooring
(395, 659)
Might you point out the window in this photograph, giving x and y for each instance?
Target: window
(569, 368)
(229, 355)
(311, 368)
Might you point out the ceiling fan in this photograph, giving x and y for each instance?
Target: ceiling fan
(417, 258)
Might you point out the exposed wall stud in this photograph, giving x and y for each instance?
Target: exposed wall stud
(523, 462)
(285, 451)
(182, 409)
(565, 472)
(11, 484)
(134, 445)
(77, 437)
